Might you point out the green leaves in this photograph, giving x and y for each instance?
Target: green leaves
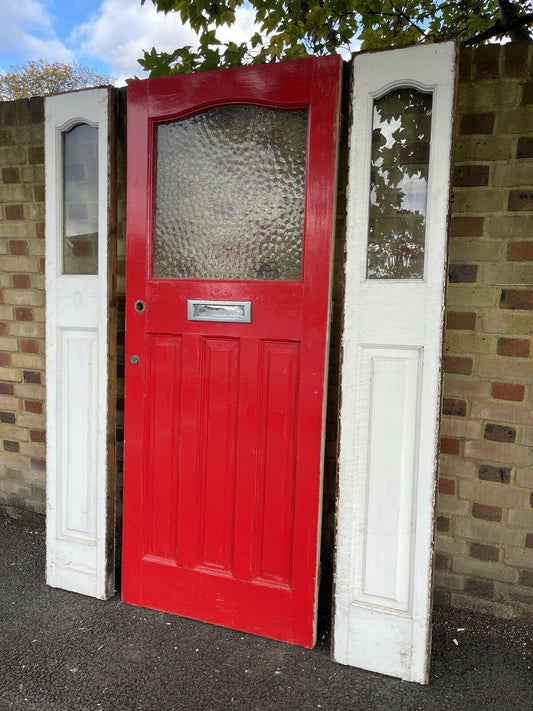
(289, 29)
(201, 14)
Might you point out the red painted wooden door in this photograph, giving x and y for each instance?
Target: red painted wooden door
(231, 178)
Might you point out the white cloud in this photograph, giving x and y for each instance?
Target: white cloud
(111, 37)
(26, 28)
(243, 28)
(120, 31)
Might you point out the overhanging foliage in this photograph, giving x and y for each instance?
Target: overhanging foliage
(287, 29)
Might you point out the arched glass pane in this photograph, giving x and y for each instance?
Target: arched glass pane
(398, 185)
(230, 185)
(80, 200)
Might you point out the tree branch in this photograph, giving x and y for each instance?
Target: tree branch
(502, 28)
(396, 15)
(401, 14)
(509, 15)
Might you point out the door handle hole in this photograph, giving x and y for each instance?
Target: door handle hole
(140, 306)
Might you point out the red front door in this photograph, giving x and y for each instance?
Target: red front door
(231, 179)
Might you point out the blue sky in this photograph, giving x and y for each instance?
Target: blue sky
(108, 35)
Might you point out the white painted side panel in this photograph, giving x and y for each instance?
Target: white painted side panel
(79, 506)
(390, 384)
(78, 433)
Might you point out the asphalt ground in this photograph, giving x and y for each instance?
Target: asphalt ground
(65, 652)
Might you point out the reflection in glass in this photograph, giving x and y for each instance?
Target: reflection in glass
(80, 200)
(398, 185)
(230, 187)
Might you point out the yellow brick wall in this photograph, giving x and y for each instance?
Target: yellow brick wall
(22, 300)
(484, 538)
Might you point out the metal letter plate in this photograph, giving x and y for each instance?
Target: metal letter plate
(233, 311)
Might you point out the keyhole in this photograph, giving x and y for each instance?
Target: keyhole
(140, 306)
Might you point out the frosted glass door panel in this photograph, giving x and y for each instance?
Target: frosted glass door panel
(230, 188)
(80, 200)
(398, 185)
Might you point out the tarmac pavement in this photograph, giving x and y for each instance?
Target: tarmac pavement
(65, 652)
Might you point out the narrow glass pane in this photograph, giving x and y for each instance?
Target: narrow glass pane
(398, 185)
(230, 188)
(80, 200)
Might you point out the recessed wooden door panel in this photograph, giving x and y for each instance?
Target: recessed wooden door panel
(228, 288)
(163, 412)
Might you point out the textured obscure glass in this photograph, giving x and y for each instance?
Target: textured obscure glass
(398, 185)
(230, 189)
(80, 200)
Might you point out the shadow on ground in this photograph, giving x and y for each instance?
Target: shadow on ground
(66, 652)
